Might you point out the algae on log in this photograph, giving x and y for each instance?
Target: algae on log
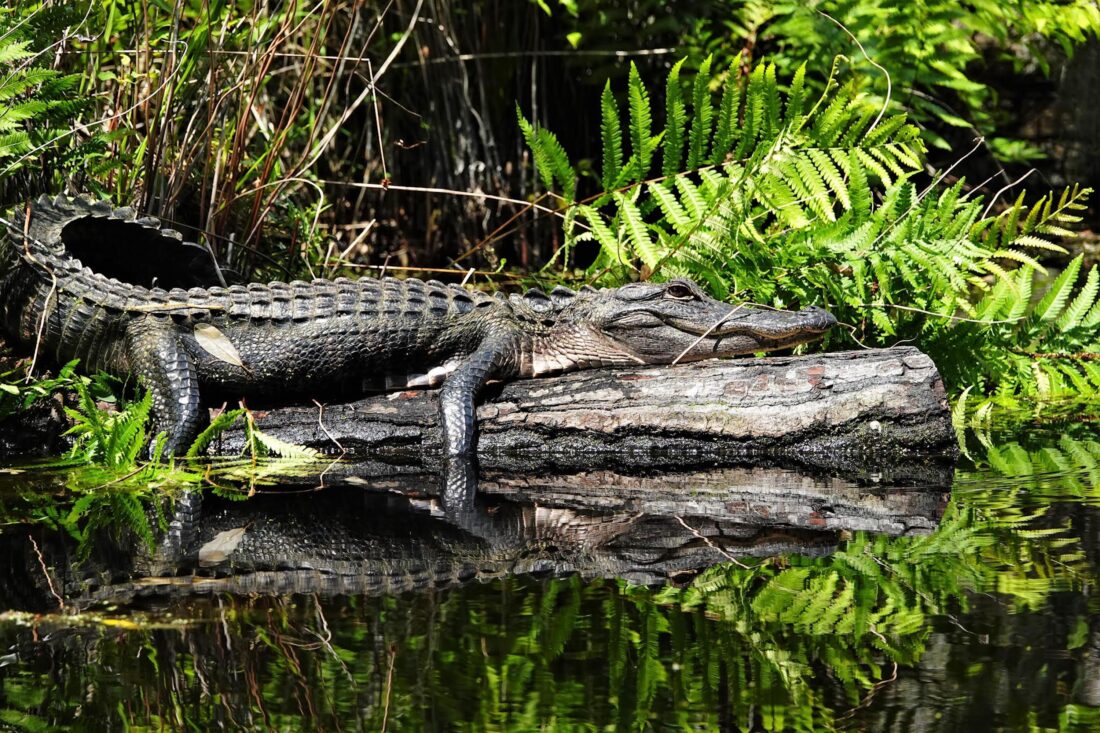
(878, 402)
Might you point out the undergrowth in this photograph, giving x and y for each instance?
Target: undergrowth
(770, 196)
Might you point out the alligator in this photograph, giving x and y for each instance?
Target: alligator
(334, 339)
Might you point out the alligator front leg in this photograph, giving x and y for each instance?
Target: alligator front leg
(458, 396)
(161, 364)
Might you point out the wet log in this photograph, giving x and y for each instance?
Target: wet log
(840, 407)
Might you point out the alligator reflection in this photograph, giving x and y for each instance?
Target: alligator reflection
(380, 533)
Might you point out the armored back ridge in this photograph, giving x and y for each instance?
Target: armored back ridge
(330, 338)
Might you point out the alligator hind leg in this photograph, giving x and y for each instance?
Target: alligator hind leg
(163, 366)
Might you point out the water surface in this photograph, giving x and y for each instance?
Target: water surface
(735, 598)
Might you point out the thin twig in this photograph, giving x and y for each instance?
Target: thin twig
(706, 333)
(707, 541)
(321, 424)
(389, 687)
(45, 303)
(889, 83)
(938, 315)
(46, 572)
(1004, 188)
(378, 125)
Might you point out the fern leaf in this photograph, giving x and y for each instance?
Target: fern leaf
(816, 189)
(560, 166)
(696, 205)
(1028, 240)
(1024, 281)
(1051, 304)
(612, 134)
(610, 247)
(702, 114)
(282, 448)
(13, 51)
(217, 426)
(859, 187)
(831, 175)
(641, 124)
(796, 97)
(771, 99)
(727, 133)
(884, 131)
(543, 166)
(638, 231)
(671, 207)
(871, 164)
(675, 122)
(1082, 304)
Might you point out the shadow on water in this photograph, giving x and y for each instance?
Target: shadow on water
(740, 597)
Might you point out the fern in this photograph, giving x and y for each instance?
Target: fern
(108, 439)
(790, 169)
(759, 196)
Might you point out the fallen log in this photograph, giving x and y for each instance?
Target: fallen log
(842, 406)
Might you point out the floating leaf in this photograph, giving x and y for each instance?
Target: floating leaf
(221, 547)
(217, 344)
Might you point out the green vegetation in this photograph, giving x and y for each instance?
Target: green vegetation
(776, 198)
(795, 155)
(947, 64)
(789, 180)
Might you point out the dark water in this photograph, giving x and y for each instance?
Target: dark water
(722, 599)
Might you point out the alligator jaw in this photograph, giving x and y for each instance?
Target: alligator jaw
(763, 324)
(672, 322)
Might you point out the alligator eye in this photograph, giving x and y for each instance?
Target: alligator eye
(679, 291)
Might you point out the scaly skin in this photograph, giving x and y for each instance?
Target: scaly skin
(340, 338)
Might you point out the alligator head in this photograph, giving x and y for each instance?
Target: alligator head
(661, 323)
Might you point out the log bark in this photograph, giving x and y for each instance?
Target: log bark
(847, 406)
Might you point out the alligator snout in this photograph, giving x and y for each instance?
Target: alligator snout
(818, 319)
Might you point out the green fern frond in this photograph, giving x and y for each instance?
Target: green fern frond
(675, 123)
(1051, 304)
(702, 114)
(641, 123)
(611, 132)
(217, 426)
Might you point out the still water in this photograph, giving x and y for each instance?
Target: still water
(920, 598)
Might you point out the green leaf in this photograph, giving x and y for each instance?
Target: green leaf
(1085, 300)
(639, 233)
(675, 122)
(641, 123)
(1051, 305)
(702, 114)
(612, 134)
